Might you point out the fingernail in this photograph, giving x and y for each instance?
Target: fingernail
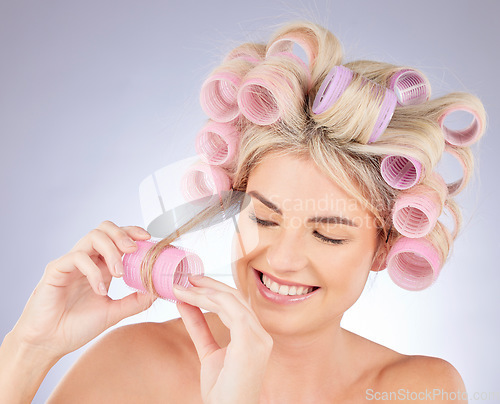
(195, 277)
(102, 288)
(144, 232)
(179, 287)
(119, 268)
(128, 242)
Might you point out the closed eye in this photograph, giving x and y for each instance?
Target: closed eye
(265, 223)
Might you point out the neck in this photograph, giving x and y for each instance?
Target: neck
(304, 365)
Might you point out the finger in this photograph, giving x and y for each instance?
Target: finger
(128, 306)
(235, 316)
(122, 237)
(59, 272)
(198, 330)
(104, 246)
(205, 281)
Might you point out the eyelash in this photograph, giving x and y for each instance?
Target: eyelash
(265, 223)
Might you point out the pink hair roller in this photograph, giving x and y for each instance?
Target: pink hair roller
(202, 180)
(400, 172)
(385, 115)
(257, 102)
(457, 186)
(217, 143)
(218, 96)
(286, 45)
(172, 267)
(464, 137)
(301, 63)
(413, 264)
(333, 86)
(415, 213)
(410, 86)
(246, 52)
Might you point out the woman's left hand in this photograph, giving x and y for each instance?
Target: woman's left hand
(233, 374)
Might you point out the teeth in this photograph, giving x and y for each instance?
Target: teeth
(284, 289)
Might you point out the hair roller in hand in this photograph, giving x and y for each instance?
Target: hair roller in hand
(413, 264)
(385, 115)
(172, 266)
(332, 87)
(202, 180)
(464, 137)
(400, 172)
(410, 86)
(416, 211)
(218, 96)
(217, 143)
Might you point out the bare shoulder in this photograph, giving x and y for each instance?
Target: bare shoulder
(142, 362)
(416, 378)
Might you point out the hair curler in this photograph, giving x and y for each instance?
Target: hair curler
(300, 63)
(462, 155)
(258, 103)
(333, 86)
(385, 115)
(173, 266)
(218, 96)
(416, 212)
(410, 86)
(245, 51)
(413, 264)
(401, 172)
(286, 43)
(202, 180)
(217, 143)
(463, 137)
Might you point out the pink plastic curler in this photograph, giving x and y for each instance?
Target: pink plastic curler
(400, 172)
(247, 52)
(457, 186)
(172, 267)
(217, 143)
(410, 86)
(333, 86)
(385, 115)
(286, 45)
(202, 180)
(257, 102)
(301, 63)
(415, 213)
(464, 137)
(218, 96)
(413, 264)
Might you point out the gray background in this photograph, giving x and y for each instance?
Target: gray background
(97, 95)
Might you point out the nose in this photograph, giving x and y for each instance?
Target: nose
(286, 253)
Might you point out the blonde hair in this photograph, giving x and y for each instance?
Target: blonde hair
(336, 139)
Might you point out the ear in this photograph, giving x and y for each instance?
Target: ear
(380, 257)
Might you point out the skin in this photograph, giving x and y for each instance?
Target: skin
(313, 359)
(291, 250)
(246, 349)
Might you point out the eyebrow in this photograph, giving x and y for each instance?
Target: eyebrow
(315, 219)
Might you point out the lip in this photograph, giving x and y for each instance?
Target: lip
(276, 297)
(286, 283)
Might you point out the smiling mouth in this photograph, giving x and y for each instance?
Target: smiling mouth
(285, 290)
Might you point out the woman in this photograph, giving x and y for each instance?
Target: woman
(325, 216)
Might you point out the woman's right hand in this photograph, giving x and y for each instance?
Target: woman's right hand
(67, 309)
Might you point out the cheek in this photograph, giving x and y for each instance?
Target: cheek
(347, 268)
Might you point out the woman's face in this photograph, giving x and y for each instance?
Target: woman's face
(332, 254)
